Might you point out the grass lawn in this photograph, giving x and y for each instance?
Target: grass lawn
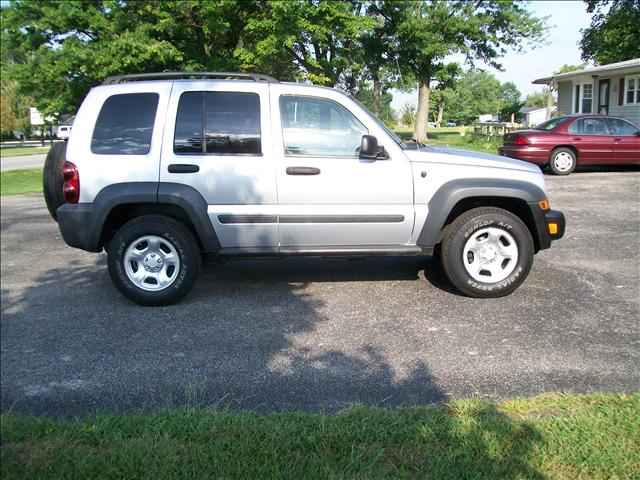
(19, 151)
(20, 182)
(450, 137)
(549, 436)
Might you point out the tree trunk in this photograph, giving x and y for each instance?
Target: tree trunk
(376, 96)
(422, 115)
(440, 112)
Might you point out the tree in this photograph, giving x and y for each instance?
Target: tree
(7, 118)
(614, 33)
(408, 115)
(367, 96)
(511, 101)
(428, 31)
(566, 68)
(538, 99)
(319, 38)
(68, 47)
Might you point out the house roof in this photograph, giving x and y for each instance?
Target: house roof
(531, 109)
(628, 66)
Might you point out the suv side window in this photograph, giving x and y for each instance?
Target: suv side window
(317, 127)
(589, 126)
(228, 121)
(125, 124)
(622, 127)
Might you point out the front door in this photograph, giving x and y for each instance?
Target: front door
(327, 195)
(603, 97)
(592, 137)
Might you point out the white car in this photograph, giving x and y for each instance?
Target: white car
(163, 168)
(64, 131)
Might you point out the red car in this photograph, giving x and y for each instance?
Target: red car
(564, 142)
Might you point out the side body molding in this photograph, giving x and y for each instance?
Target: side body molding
(450, 193)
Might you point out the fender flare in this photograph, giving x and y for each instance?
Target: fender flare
(450, 193)
(81, 224)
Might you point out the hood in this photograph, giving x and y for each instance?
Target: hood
(434, 153)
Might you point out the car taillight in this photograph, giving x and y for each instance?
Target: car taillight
(521, 140)
(71, 186)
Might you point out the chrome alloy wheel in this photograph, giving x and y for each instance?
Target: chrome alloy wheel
(490, 255)
(563, 161)
(151, 263)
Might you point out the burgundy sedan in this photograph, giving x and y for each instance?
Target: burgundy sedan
(564, 142)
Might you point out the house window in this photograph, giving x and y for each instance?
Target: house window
(632, 90)
(583, 98)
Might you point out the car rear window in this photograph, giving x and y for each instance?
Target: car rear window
(550, 124)
(229, 123)
(125, 124)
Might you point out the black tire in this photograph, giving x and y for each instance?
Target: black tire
(468, 231)
(172, 235)
(52, 180)
(563, 161)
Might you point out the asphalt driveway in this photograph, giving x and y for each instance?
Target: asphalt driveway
(318, 334)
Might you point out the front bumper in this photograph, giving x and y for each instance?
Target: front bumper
(555, 217)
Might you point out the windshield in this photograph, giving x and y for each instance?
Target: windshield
(550, 124)
(395, 137)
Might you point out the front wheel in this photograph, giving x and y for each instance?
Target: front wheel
(154, 260)
(487, 252)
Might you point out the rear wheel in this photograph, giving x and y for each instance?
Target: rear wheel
(52, 180)
(487, 252)
(563, 161)
(154, 260)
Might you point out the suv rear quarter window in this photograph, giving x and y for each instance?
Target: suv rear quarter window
(125, 124)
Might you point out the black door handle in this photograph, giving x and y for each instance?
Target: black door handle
(303, 171)
(183, 168)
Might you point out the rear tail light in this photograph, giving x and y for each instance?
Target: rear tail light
(521, 140)
(71, 186)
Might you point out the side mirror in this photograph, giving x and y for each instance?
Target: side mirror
(369, 149)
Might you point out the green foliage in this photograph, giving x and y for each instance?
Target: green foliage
(566, 68)
(366, 97)
(511, 101)
(539, 99)
(428, 31)
(319, 38)
(614, 33)
(408, 115)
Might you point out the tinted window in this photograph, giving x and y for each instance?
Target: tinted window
(188, 134)
(588, 126)
(622, 127)
(550, 124)
(231, 123)
(313, 126)
(125, 124)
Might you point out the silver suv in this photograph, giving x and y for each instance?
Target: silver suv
(163, 168)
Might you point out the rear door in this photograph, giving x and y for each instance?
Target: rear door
(217, 141)
(327, 195)
(592, 137)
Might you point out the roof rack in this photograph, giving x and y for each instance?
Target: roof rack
(256, 77)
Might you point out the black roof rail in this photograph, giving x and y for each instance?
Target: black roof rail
(256, 77)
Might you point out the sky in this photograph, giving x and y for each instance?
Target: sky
(566, 18)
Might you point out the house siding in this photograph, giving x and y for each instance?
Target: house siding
(630, 112)
(564, 97)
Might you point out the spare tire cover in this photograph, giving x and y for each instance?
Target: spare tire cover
(52, 180)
